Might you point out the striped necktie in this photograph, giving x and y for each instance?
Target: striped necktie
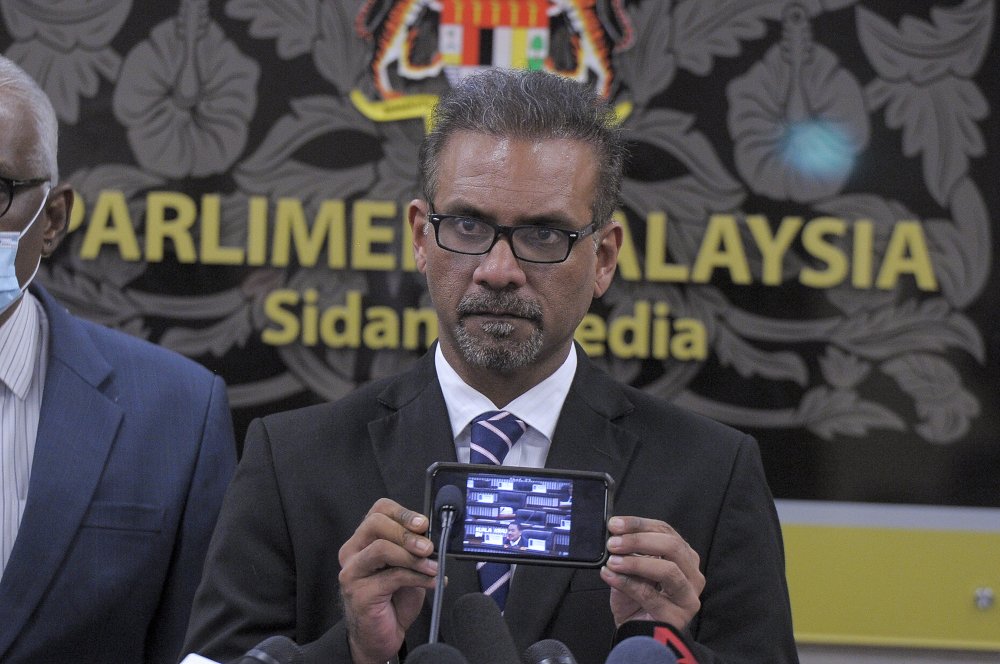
(493, 434)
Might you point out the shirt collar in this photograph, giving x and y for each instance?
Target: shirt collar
(539, 407)
(19, 339)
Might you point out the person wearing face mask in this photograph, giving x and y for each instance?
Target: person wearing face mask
(114, 452)
(10, 288)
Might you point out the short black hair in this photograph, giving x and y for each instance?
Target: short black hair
(533, 106)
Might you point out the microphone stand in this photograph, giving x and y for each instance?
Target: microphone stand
(447, 520)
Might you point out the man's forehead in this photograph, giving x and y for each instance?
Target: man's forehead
(553, 175)
(18, 136)
(13, 108)
(482, 146)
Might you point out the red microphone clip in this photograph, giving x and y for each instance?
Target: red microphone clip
(665, 633)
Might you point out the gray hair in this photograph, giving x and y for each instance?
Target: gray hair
(533, 106)
(16, 82)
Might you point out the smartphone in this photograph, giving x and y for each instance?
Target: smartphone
(535, 516)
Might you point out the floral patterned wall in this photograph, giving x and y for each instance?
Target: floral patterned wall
(809, 205)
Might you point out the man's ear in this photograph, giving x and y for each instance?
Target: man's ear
(607, 256)
(417, 216)
(57, 209)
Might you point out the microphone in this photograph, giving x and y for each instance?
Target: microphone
(480, 632)
(663, 632)
(274, 650)
(448, 507)
(548, 651)
(435, 653)
(641, 650)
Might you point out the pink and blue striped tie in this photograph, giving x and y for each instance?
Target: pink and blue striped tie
(493, 434)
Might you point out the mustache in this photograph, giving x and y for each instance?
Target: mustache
(499, 302)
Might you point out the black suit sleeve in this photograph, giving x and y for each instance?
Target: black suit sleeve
(248, 590)
(745, 614)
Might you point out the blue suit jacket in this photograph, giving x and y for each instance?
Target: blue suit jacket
(133, 454)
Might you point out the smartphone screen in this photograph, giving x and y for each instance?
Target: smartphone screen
(525, 515)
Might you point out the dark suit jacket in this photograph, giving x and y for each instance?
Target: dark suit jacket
(308, 477)
(133, 454)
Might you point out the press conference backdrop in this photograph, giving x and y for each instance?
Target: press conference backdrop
(808, 255)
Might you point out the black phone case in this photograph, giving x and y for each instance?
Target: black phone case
(519, 557)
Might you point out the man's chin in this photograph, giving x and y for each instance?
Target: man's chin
(499, 353)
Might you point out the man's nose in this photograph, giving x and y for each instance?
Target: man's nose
(500, 268)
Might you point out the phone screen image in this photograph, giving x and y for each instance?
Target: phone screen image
(535, 515)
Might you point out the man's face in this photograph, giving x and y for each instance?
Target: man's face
(18, 144)
(496, 312)
(513, 532)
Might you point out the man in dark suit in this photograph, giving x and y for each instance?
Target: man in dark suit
(118, 453)
(513, 538)
(515, 237)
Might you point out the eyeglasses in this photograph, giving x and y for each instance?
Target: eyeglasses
(475, 237)
(9, 186)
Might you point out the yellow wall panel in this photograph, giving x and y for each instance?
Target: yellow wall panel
(889, 586)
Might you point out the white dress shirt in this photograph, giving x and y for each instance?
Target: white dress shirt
(23, 359)
(539, 408)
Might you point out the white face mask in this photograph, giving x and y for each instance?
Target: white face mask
(10, 288)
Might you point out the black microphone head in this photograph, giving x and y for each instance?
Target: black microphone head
(436, 653)
(641, 650)
(479, 631)
(549, 651)
(274, 650)
(451, 497)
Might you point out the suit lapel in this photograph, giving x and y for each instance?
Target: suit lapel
(585, 439)
(77, 426)
(413, 436)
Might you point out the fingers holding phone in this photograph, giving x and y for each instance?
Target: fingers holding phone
(653, 573)
(385, 571)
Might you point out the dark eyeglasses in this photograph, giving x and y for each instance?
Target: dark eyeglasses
(475, 237)
(9, 186)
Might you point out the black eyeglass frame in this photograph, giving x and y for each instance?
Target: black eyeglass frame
(12, 185)
(508, 231)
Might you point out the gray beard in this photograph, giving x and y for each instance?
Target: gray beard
(497, 351)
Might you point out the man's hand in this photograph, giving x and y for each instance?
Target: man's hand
(383, 578)
(652, 571)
